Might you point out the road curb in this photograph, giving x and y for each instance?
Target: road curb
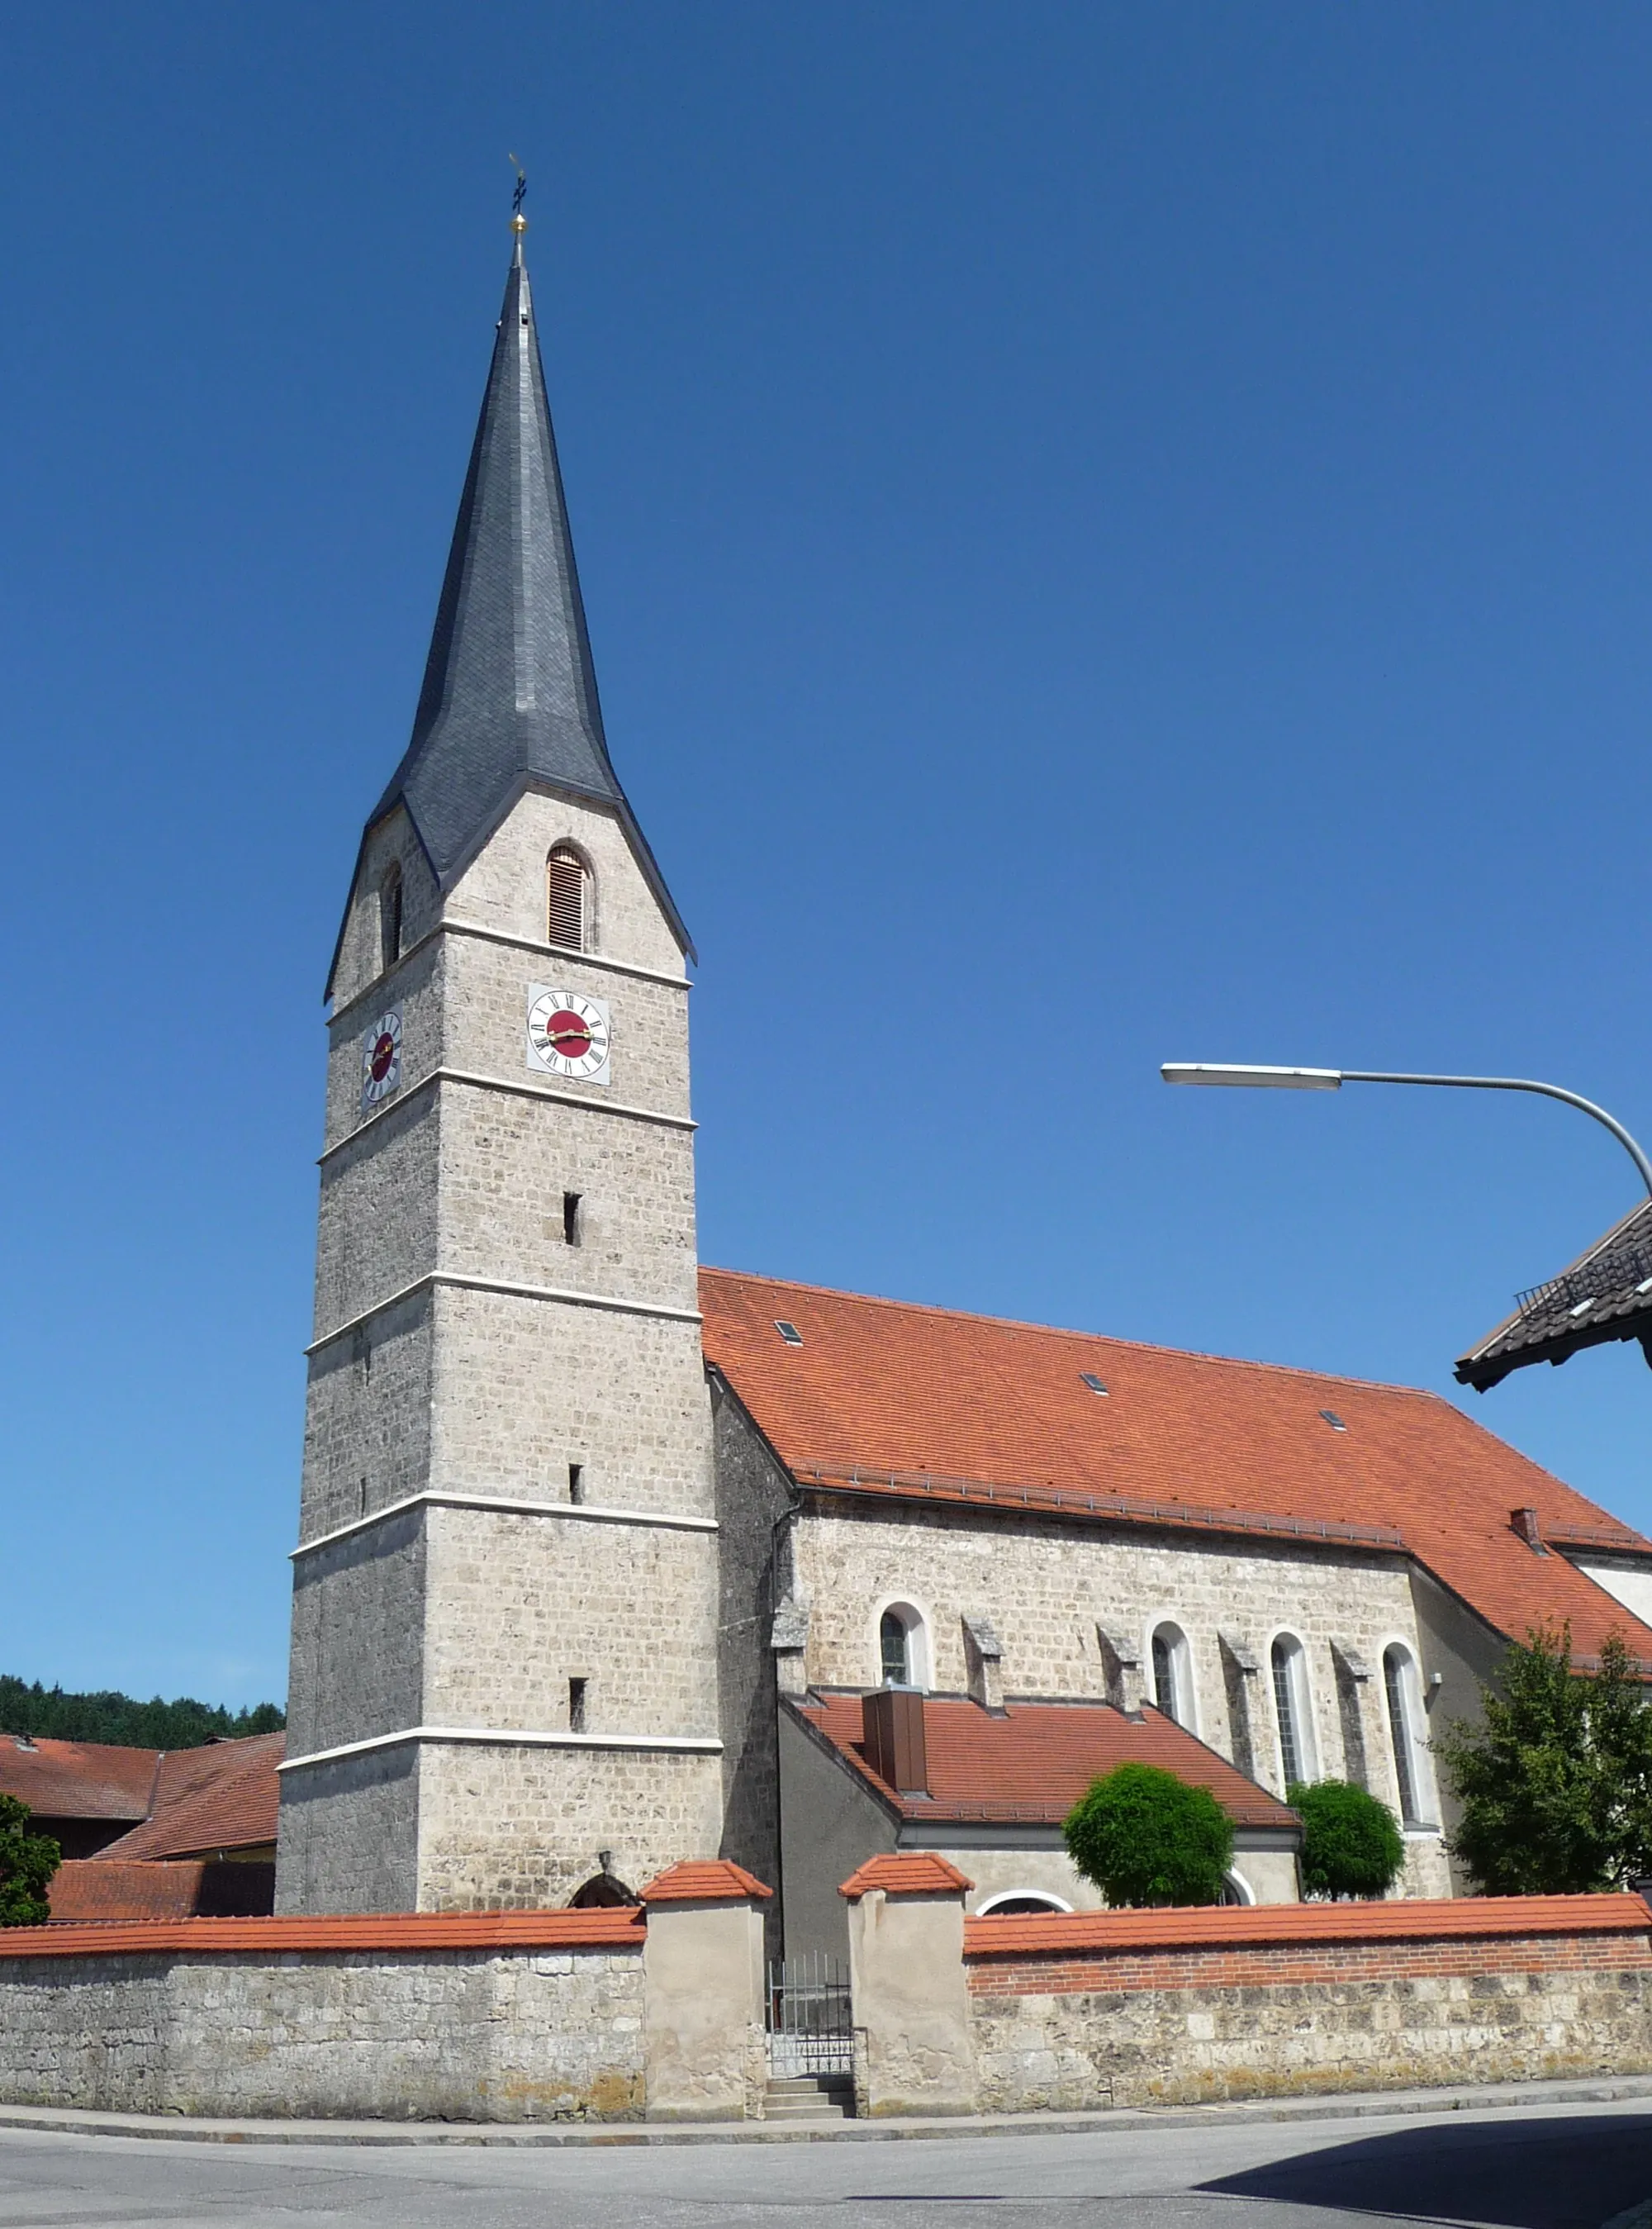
(178, 2127)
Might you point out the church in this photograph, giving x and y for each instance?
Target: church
(607, 1560)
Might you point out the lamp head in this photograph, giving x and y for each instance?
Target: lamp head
(1253, 1079)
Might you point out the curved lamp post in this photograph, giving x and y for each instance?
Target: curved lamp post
(1333, 1079)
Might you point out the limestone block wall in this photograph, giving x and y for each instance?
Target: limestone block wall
(1051, 1588)
(504, 885)
(367, 1418)
(514, 1828)
(348, 1839)
(546, 2029)
(360, 951)
(358, 1655)
(522, 1387)
(1133, 2008)
(527, 1604)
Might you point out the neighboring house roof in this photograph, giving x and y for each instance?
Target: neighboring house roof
(107, 1889)
(1606, 1295)
(1033, 1763)
(511, 689)
(884, 1400)
(222, 1797)
(77, 1780)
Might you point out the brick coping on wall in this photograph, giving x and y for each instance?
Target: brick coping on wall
(620, 1927)
(1222, 1927)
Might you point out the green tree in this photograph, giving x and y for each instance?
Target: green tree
(1143, 1836)
(50, 1714)
(1351, 1844)
(26, 1864)
(1556, 1785)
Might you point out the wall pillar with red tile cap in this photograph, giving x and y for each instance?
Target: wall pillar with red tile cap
(913, 2049)
(706, 2053)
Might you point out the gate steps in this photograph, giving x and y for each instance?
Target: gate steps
(808, 2097)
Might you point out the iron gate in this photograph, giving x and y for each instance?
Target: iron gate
(809, 2017)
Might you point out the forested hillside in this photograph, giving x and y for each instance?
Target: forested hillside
(51, 1712)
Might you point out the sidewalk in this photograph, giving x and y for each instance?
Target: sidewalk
(176, 2128)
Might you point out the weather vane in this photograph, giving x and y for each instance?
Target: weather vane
(519, 194)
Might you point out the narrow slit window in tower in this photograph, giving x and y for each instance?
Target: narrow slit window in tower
(576, 1481)
(567, 894)
(571, 1218)
(576, 1707)
(390, 916)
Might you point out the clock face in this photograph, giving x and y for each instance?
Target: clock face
(382, 1058)
(568, 1035)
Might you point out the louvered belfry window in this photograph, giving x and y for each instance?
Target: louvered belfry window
(567, 892)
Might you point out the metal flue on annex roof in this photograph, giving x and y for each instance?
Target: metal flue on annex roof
(510, 687)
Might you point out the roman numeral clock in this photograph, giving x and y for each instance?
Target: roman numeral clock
(567, 1034)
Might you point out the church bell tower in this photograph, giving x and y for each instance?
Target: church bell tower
(503, 1682)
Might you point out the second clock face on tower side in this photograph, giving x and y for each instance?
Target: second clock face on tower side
(382, 1058)
(568, 1035)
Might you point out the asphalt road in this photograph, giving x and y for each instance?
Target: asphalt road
(1562, 2167)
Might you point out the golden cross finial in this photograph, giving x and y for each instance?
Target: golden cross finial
(518, 221)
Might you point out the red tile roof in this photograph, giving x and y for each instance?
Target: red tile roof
(922, 1873)
(222, 1797)
(704, 1880)
(886, 1399)
(616, 1925)
(1217, 1925)
(104, 1889)
(77, 1780)
(1036, 1761)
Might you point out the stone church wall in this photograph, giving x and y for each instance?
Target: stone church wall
(1052, 1590)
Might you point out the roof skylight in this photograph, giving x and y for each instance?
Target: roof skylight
(1333, 1420)
(1092, 1381)
(789, 1332)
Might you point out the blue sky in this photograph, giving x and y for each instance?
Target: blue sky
(1109, 534)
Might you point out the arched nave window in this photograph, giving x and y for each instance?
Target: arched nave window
(1293, 1709)
(1020, 1903)
(568, 899)
(1173, 1673)
(903, 1646)
(1405, 1732)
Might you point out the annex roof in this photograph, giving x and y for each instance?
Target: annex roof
(510, 687)
(87, 1888)
(916, 1873)
(224, 1797)
(77, 1780)
(886, 1400)
(1606, 1295)
(1033, 1763)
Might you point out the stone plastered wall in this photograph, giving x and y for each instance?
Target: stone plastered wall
(378, 1229)
(523, 1387)
(367, 1418)
(457, 2035)
(1184, 2028)
(348, 1838)
(527, 1604)
(358, 1641)
(485, 1020)
(360, 949)
(508, 1160)
(518, 1828)
(1047, 1586)
(504, 885)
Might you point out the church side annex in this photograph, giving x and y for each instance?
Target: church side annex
(607, 1562)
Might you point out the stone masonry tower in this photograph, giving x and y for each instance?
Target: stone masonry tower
(505, 1594)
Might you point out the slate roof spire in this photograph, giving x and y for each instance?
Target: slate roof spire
(510, 689)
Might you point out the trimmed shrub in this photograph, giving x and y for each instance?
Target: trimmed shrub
(1351, 1843)
(26, 1864)
(1143, 1836)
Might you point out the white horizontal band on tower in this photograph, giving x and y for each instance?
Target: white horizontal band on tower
(511, 1291)
(522, 1089)
(584, 1512)
(512, 1737)
(376, 991)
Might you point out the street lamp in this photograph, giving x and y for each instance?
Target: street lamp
(1333, 1079)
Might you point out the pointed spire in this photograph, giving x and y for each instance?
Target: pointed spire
(510, 690)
